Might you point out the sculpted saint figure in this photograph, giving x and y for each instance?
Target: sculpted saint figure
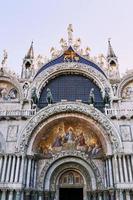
(70, 33)
(49, 97)
(91, 96)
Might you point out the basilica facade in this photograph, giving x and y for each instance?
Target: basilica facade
(66, 126)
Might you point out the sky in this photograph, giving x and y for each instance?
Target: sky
(46, 21)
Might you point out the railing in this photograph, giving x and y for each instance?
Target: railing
(17, 113)
(119, 112)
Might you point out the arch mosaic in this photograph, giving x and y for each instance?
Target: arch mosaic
(69, 160)
(70, 107)
(13, 81)
(127, 79)
(77, 68)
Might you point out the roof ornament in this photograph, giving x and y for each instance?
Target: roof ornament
(63, 43)
(70, 34)
(4, 60)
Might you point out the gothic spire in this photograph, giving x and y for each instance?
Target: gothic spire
(30, 53)
(110, 53)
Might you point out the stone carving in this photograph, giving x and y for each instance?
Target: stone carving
(12, 133)
(49, 97)
(5, 56)
(91, 96)
(34, 97)
(70, 34)
(125, 133)
(59, 108)
(13, 93)
(70, 158)
(25, 90)
(4, 94)
(107, 96)
(114, 87)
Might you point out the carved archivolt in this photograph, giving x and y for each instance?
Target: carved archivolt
(78, 68)
(68, 107)
(69, 160)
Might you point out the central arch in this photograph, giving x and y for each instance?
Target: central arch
(48, 181)
(36, 123)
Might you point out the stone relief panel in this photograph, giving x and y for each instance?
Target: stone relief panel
(65, 135)
(126, 134)
(127, 92)
(12, 132)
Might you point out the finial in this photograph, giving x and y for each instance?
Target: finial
(109, 39)
(70, 34)
(5, 56)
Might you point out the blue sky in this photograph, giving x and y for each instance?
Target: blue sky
(46, 21)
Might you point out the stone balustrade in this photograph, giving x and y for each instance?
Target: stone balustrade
(17, 113)
(119, 113)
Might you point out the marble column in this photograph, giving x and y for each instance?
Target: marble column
(1, 161)
(3, 196)
(121, 195)
(115, 166)
(125, 169)
(22, 170)
(32, 172)
(35, 173)
(17, 169)
(10, 195)
(28, 173)
(128, 195)
(94, 196)
(18, 195)
(27, 196)
(13, 169)
(4, 169)
(129, 168)
(111, 195)
(40, 196)
(100, 196)
(117, 195)
(107, 173)
(110, 172)
(120, 168)
(8, 168)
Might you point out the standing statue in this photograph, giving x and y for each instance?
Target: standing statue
(5, 56)
(106, 96)
(34, 97)
(70, 34)
(49, 97)
(91, 96)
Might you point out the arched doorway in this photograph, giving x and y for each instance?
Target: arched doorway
(71, 185)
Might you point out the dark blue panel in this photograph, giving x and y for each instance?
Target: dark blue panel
(61, 60)
(70, 87)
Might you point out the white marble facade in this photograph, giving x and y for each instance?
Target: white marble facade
(67, 144)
